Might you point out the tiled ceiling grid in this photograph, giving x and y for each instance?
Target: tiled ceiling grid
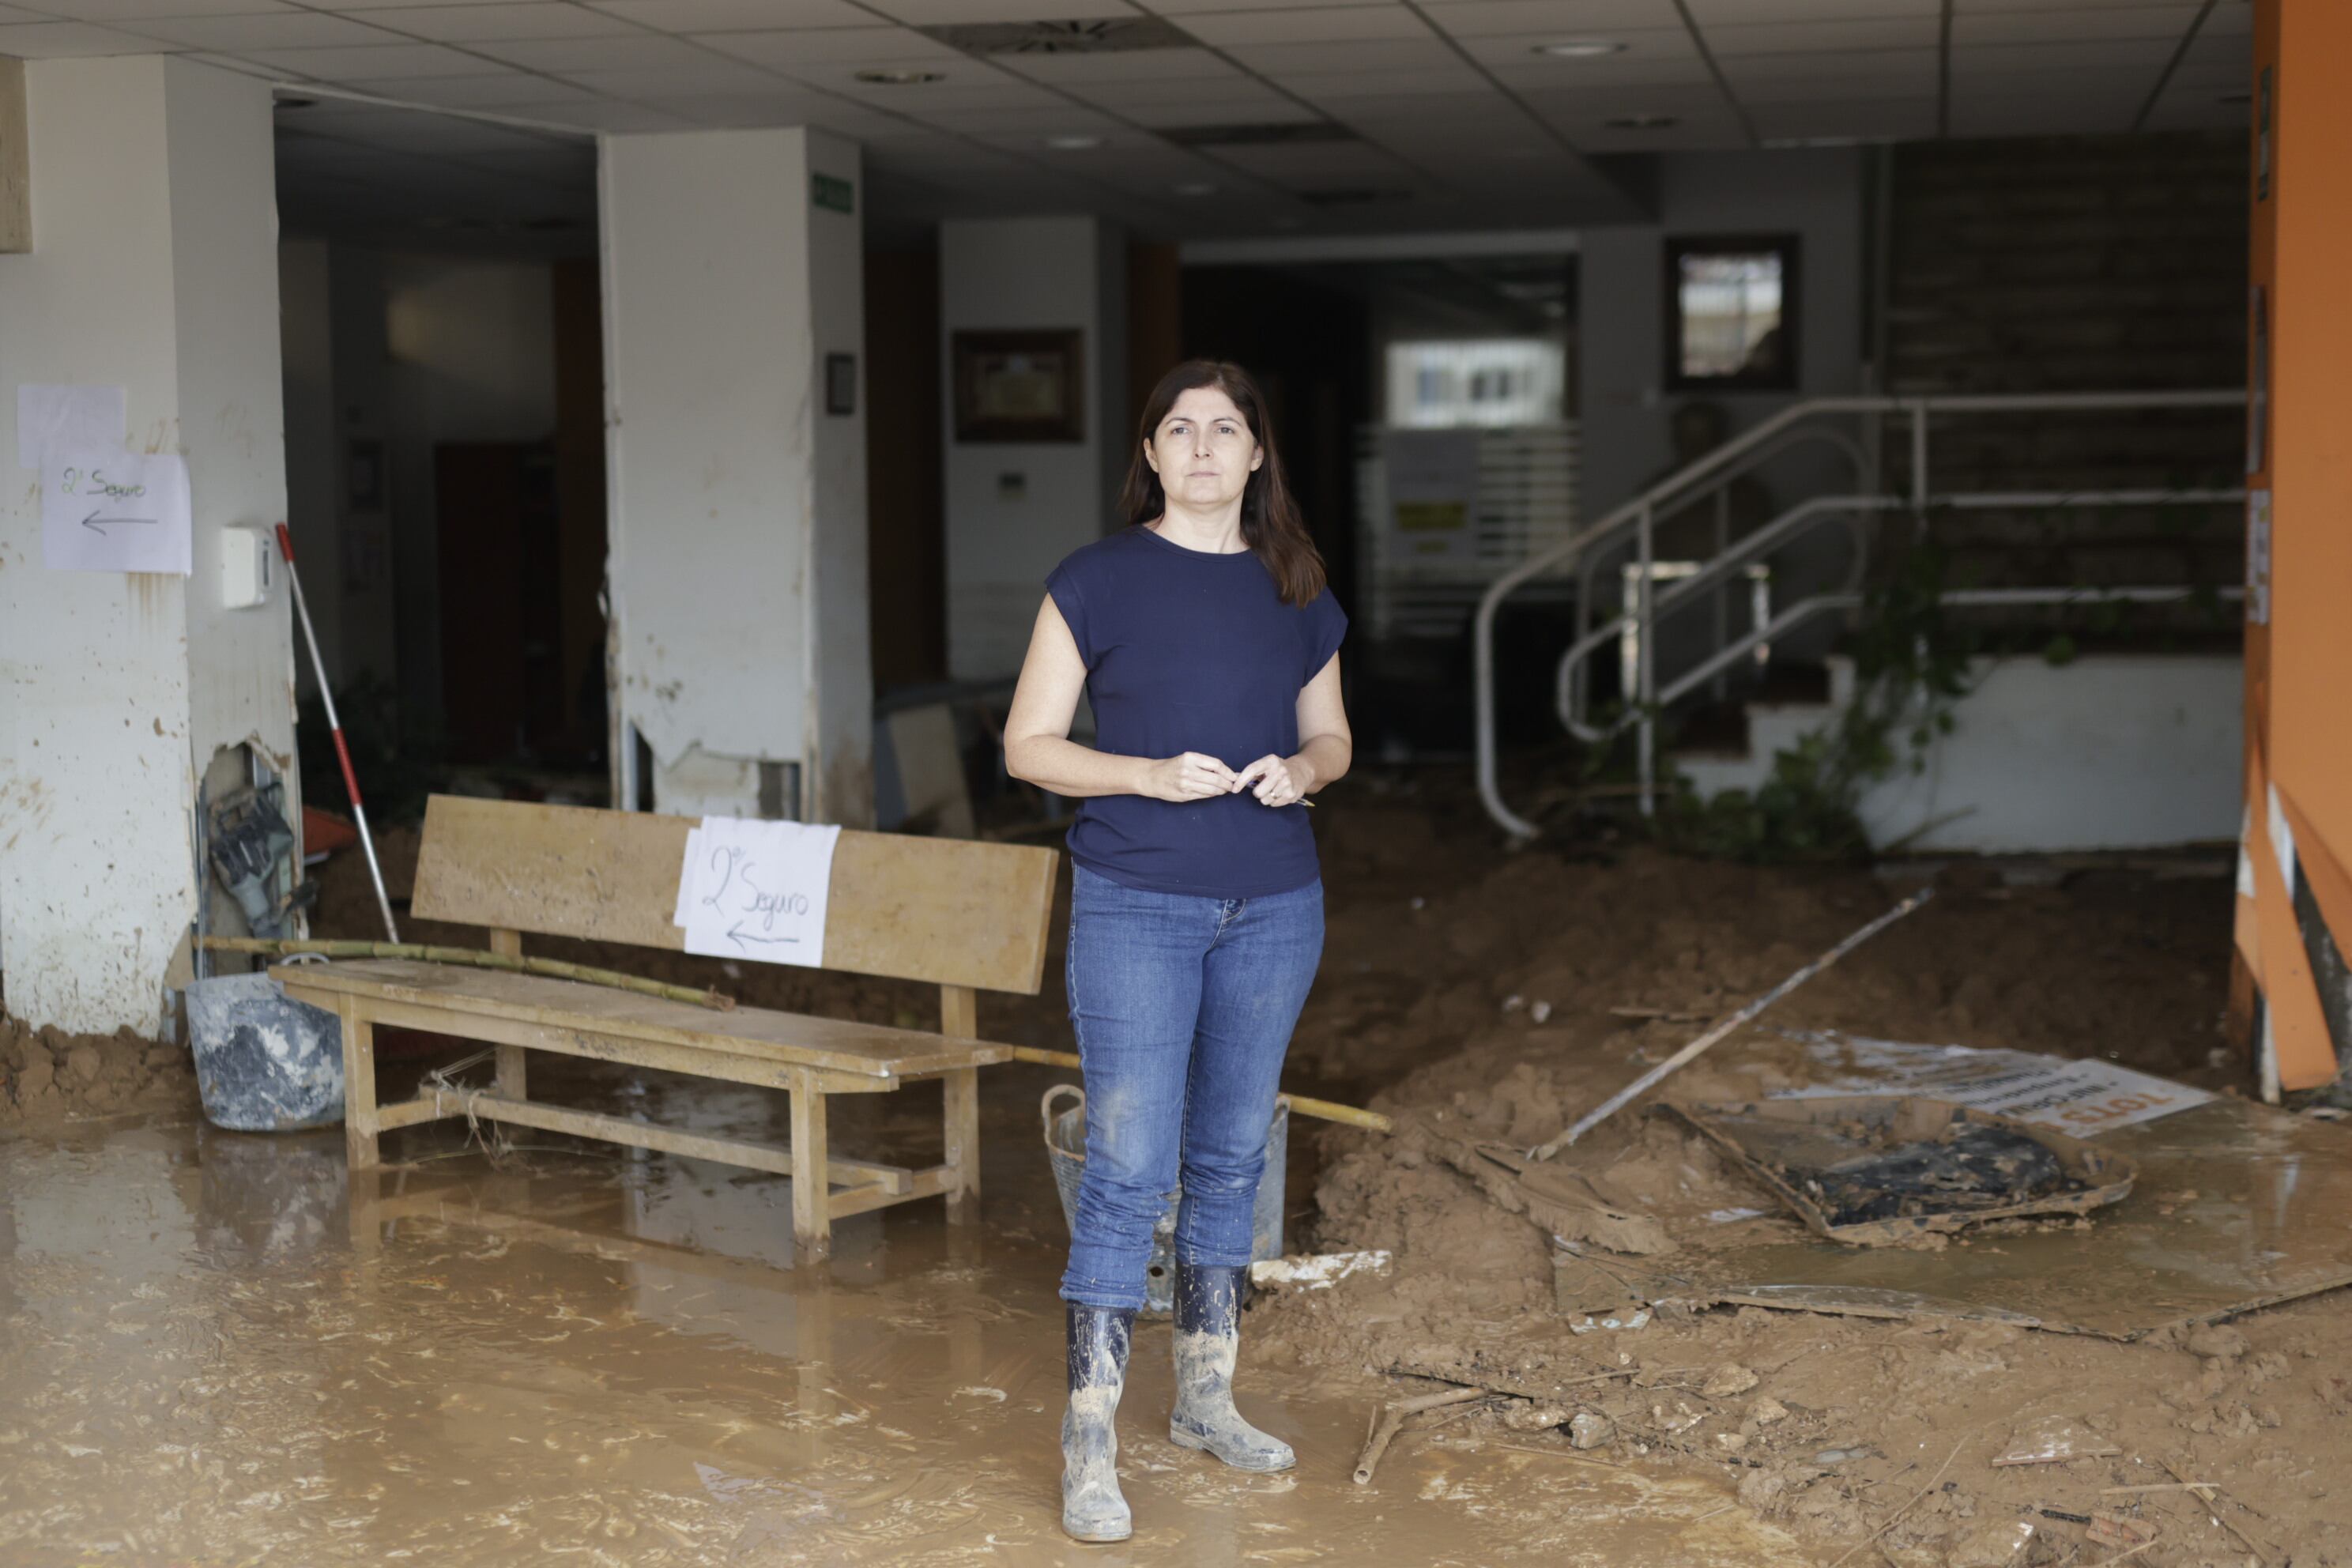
(1455, 113)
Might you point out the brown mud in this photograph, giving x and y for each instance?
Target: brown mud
(434, 1386)
(47, 1074)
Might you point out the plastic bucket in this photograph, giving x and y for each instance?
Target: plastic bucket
(1066, 1147)
(264, 1063)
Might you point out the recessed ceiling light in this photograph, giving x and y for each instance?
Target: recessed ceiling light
(1073, 144)
(1643, 122)
(1579, 49)
(900, 78)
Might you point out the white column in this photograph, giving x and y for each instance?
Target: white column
(738, 652)
(153, 268)
(1014, 511)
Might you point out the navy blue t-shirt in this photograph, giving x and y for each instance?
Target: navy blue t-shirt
(1191, 652)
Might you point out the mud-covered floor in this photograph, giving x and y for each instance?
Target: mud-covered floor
(580, 1352)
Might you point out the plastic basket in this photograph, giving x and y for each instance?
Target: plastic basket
(1065, 1148)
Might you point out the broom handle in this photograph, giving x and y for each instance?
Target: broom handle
(335, 727)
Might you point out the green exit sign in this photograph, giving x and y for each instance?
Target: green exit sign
(834, 195)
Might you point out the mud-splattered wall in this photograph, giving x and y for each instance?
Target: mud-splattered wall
(155, 269)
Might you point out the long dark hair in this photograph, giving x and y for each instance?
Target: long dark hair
(1271, 525)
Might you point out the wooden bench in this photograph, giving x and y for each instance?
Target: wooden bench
(962, 916)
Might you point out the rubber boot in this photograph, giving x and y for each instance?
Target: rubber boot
(1092, 1508)
(1208, 1338)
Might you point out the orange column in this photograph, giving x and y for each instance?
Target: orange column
(2299, 588)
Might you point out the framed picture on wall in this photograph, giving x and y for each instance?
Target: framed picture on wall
(1731, 313)
(1020, 386)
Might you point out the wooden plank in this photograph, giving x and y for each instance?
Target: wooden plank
(811, 1204)
(959, 1012)
(859, 1200)
(963, 1092)
(16, 170)
(416, 1112)
(943, 910)
(793, 1039)
(514, 1070)
(890, 1180)
(730, 1067)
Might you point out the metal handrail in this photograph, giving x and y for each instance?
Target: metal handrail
(1640, 513)
(1798, 519)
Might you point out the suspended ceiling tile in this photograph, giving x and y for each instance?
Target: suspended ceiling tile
(1915, 87)
(1709, 13)
(69, 41)
(1121, 66)
(130, 13)
(1028, 126)
(2167, 22)
(379, 62)
(1270, 111)
(706, 77)
(479, 91)
(1817, 37)
(266, 30)
(740, 110)
(1532, 76)
(500, 23)
(1887, 66)
(1866, 119)
(851, 49)
(634, 51)
(1565, 19)
(1333, 91)
(1525, 50)
(1347, 58)
(930, 13)
(2140, 58)
(1215, 8)
(604, 114)
(738, 16)
(947, 95)
(1288, 26)
(1238, 90)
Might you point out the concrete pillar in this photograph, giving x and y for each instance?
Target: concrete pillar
(154, 269)
(733, 290)
(1014, 510)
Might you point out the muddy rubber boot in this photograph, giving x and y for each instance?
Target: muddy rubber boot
(1208, 1338)
(1092, 1508)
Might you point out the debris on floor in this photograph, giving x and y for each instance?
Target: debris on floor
(47, 1074)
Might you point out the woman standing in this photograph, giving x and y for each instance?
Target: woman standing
(1206, 644)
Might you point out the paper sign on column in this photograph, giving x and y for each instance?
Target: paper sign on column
(53, 417)
(758, 889)
(115, 511)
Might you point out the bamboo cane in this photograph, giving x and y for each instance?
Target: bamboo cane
(551, 967)
(1321, 1109)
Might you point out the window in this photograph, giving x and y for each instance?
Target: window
(1731, 314)
(1482, 382)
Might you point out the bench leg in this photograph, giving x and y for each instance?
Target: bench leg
(962, 1087)
(359, 1086)
(514, 1082)
(812, 1187)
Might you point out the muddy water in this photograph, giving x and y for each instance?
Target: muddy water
(214, 1351)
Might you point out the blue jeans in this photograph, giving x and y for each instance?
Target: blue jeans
(1184, 1007)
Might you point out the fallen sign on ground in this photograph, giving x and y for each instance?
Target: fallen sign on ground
(2237, 1207)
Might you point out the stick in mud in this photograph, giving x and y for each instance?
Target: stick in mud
(1690, 1053)
(1392, 1418)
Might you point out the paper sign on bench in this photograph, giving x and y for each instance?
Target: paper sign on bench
(758, 889)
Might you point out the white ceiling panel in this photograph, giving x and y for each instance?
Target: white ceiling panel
(266, 30)
(1122, 66)
(1285, 26)
(1817, 37)
(1221, 111)
(1745, 71)
(850, 48)
(500, 23)
(1373, 86)
(607, 114)
(69, 41)
(2137, 60)
(9, 14)
(703, 79)
(1642, 49)
(2064, 25)
(380, 62)
(736, 16)
(930, 13)
(130, 13)
(1868, 120)
(1710, 12)
(1567, 18)
(1118, 96)
(1028, 127)
(1213, 7)
(1287, 60)
(634, 51)
(496, 91)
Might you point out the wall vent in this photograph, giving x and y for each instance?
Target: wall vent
(1114, 36)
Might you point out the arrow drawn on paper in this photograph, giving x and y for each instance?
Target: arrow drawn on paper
(736, 934)
(99, 525)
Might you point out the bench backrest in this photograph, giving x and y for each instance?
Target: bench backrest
(949, 911)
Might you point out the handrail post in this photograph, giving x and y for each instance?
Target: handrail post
(1646, 679)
